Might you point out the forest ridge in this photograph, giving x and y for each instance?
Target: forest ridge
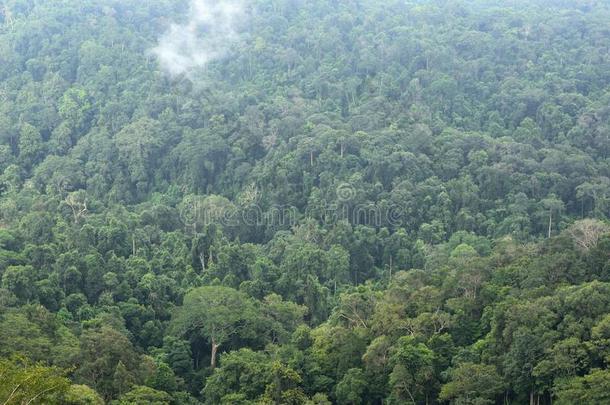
(304, 202)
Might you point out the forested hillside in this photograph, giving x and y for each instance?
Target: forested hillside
(304, 202)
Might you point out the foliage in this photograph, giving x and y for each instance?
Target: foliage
(356, 202)
(24, 382)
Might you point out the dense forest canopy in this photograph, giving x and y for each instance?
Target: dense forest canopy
(304, 202)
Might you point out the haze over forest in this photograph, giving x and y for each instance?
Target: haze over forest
(304, 202)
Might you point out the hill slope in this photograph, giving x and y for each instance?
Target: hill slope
(297, 201)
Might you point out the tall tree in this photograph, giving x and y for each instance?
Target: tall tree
(216, 315)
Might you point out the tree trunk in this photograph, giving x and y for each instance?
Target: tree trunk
(411, 396)
(532, 398)
(202, 260)
(215, 347)
(550, 222)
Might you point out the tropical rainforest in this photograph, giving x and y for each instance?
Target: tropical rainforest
(304, 202)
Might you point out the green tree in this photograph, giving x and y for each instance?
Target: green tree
(31, 146)
(214, 314)
(82, 395)
(75, 108)
(552, 205)
(472, 384)
(412, 378)
(108, 361)
(284, 386)
(24, 382)
(350, 390)
(242, 372)
(138, 144)
(593, 388)
(141, 395)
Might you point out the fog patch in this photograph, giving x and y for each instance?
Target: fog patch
(206, 36)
